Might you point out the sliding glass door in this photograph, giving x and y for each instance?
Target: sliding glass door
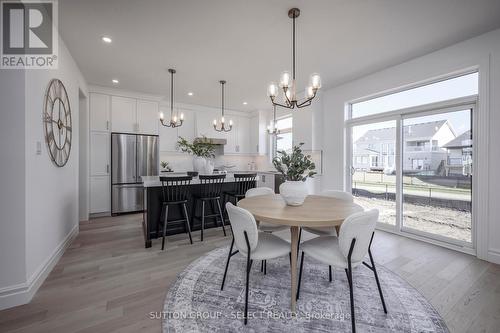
(410, 155)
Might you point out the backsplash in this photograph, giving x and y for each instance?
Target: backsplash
(184, 162)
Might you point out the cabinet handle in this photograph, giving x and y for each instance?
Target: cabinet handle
(107, 125)
(107, 168)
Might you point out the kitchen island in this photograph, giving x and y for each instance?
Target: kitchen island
(153, 203)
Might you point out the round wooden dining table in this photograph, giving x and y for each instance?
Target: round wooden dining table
(317, 211)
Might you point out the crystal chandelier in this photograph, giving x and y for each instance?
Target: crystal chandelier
(287, 82)
(174, 121)
(221, 125)
(273, 126)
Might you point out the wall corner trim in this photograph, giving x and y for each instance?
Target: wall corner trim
(22, 293)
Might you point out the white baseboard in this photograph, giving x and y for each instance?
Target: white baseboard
(494, 256)
(23, 293)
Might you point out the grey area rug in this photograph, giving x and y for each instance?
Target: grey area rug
(195, 302)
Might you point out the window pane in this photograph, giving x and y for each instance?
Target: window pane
(461, 86)
(373, 168)
(284, 141)
(437, 174)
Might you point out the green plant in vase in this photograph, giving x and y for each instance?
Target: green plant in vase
(203, 150)
(295, 167)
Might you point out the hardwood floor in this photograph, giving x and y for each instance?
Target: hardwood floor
(108, 282)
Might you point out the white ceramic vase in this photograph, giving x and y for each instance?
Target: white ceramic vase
(293, 192)
(203, 165)
(199, 164)
(209, 167)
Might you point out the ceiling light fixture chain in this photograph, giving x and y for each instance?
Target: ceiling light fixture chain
(174, 121)
(288, 84)
(221, 125)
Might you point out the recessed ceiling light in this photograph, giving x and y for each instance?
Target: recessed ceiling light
(190, 93)
(245, 103)
(115, 81)
(106, 39)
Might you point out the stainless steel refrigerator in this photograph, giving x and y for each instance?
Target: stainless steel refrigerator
(132, 156)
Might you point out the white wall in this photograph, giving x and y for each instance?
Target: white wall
(47, 208)
(12, 180)
(482, 52)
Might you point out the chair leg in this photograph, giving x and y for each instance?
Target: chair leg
(164, 228)
(262, 266)
(160, 221)
(330, 272)
(187, 223)
(221, 217)
(265, 267)
(249, 265)
(227, 264)
(300, 274)
(193, 212)
(351, 293)
(377, 280)
(202, 218)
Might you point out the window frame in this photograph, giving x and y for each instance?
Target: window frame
(451, 105)
(274, 138)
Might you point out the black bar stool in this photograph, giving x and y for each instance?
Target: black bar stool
(210, 191)
(175, 191)
(242, 183)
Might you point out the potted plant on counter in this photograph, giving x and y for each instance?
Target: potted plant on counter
(295, 168)
(165, 167)
(203, 151)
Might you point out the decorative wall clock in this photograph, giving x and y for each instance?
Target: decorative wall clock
(57, 122)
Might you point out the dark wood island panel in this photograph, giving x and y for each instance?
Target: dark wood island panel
(152, 204)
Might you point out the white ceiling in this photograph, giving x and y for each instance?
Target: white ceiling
(248, 43)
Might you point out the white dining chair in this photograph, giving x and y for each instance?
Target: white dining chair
(251, 243)
(346, 251)
(264, 226)
(328, 231)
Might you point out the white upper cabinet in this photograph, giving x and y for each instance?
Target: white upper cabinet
(100, 114)
(254, 135)
(124, 114)
(100, 146)
(243, 131)
(147, 117)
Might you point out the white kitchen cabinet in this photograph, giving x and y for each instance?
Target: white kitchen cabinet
(100, 194)
(100, 113)
(100, 146)
(266, 180)
(168, 135)
(147, 117)
(124, 114)
(254, 135)
(231, 146)
(243, 133)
